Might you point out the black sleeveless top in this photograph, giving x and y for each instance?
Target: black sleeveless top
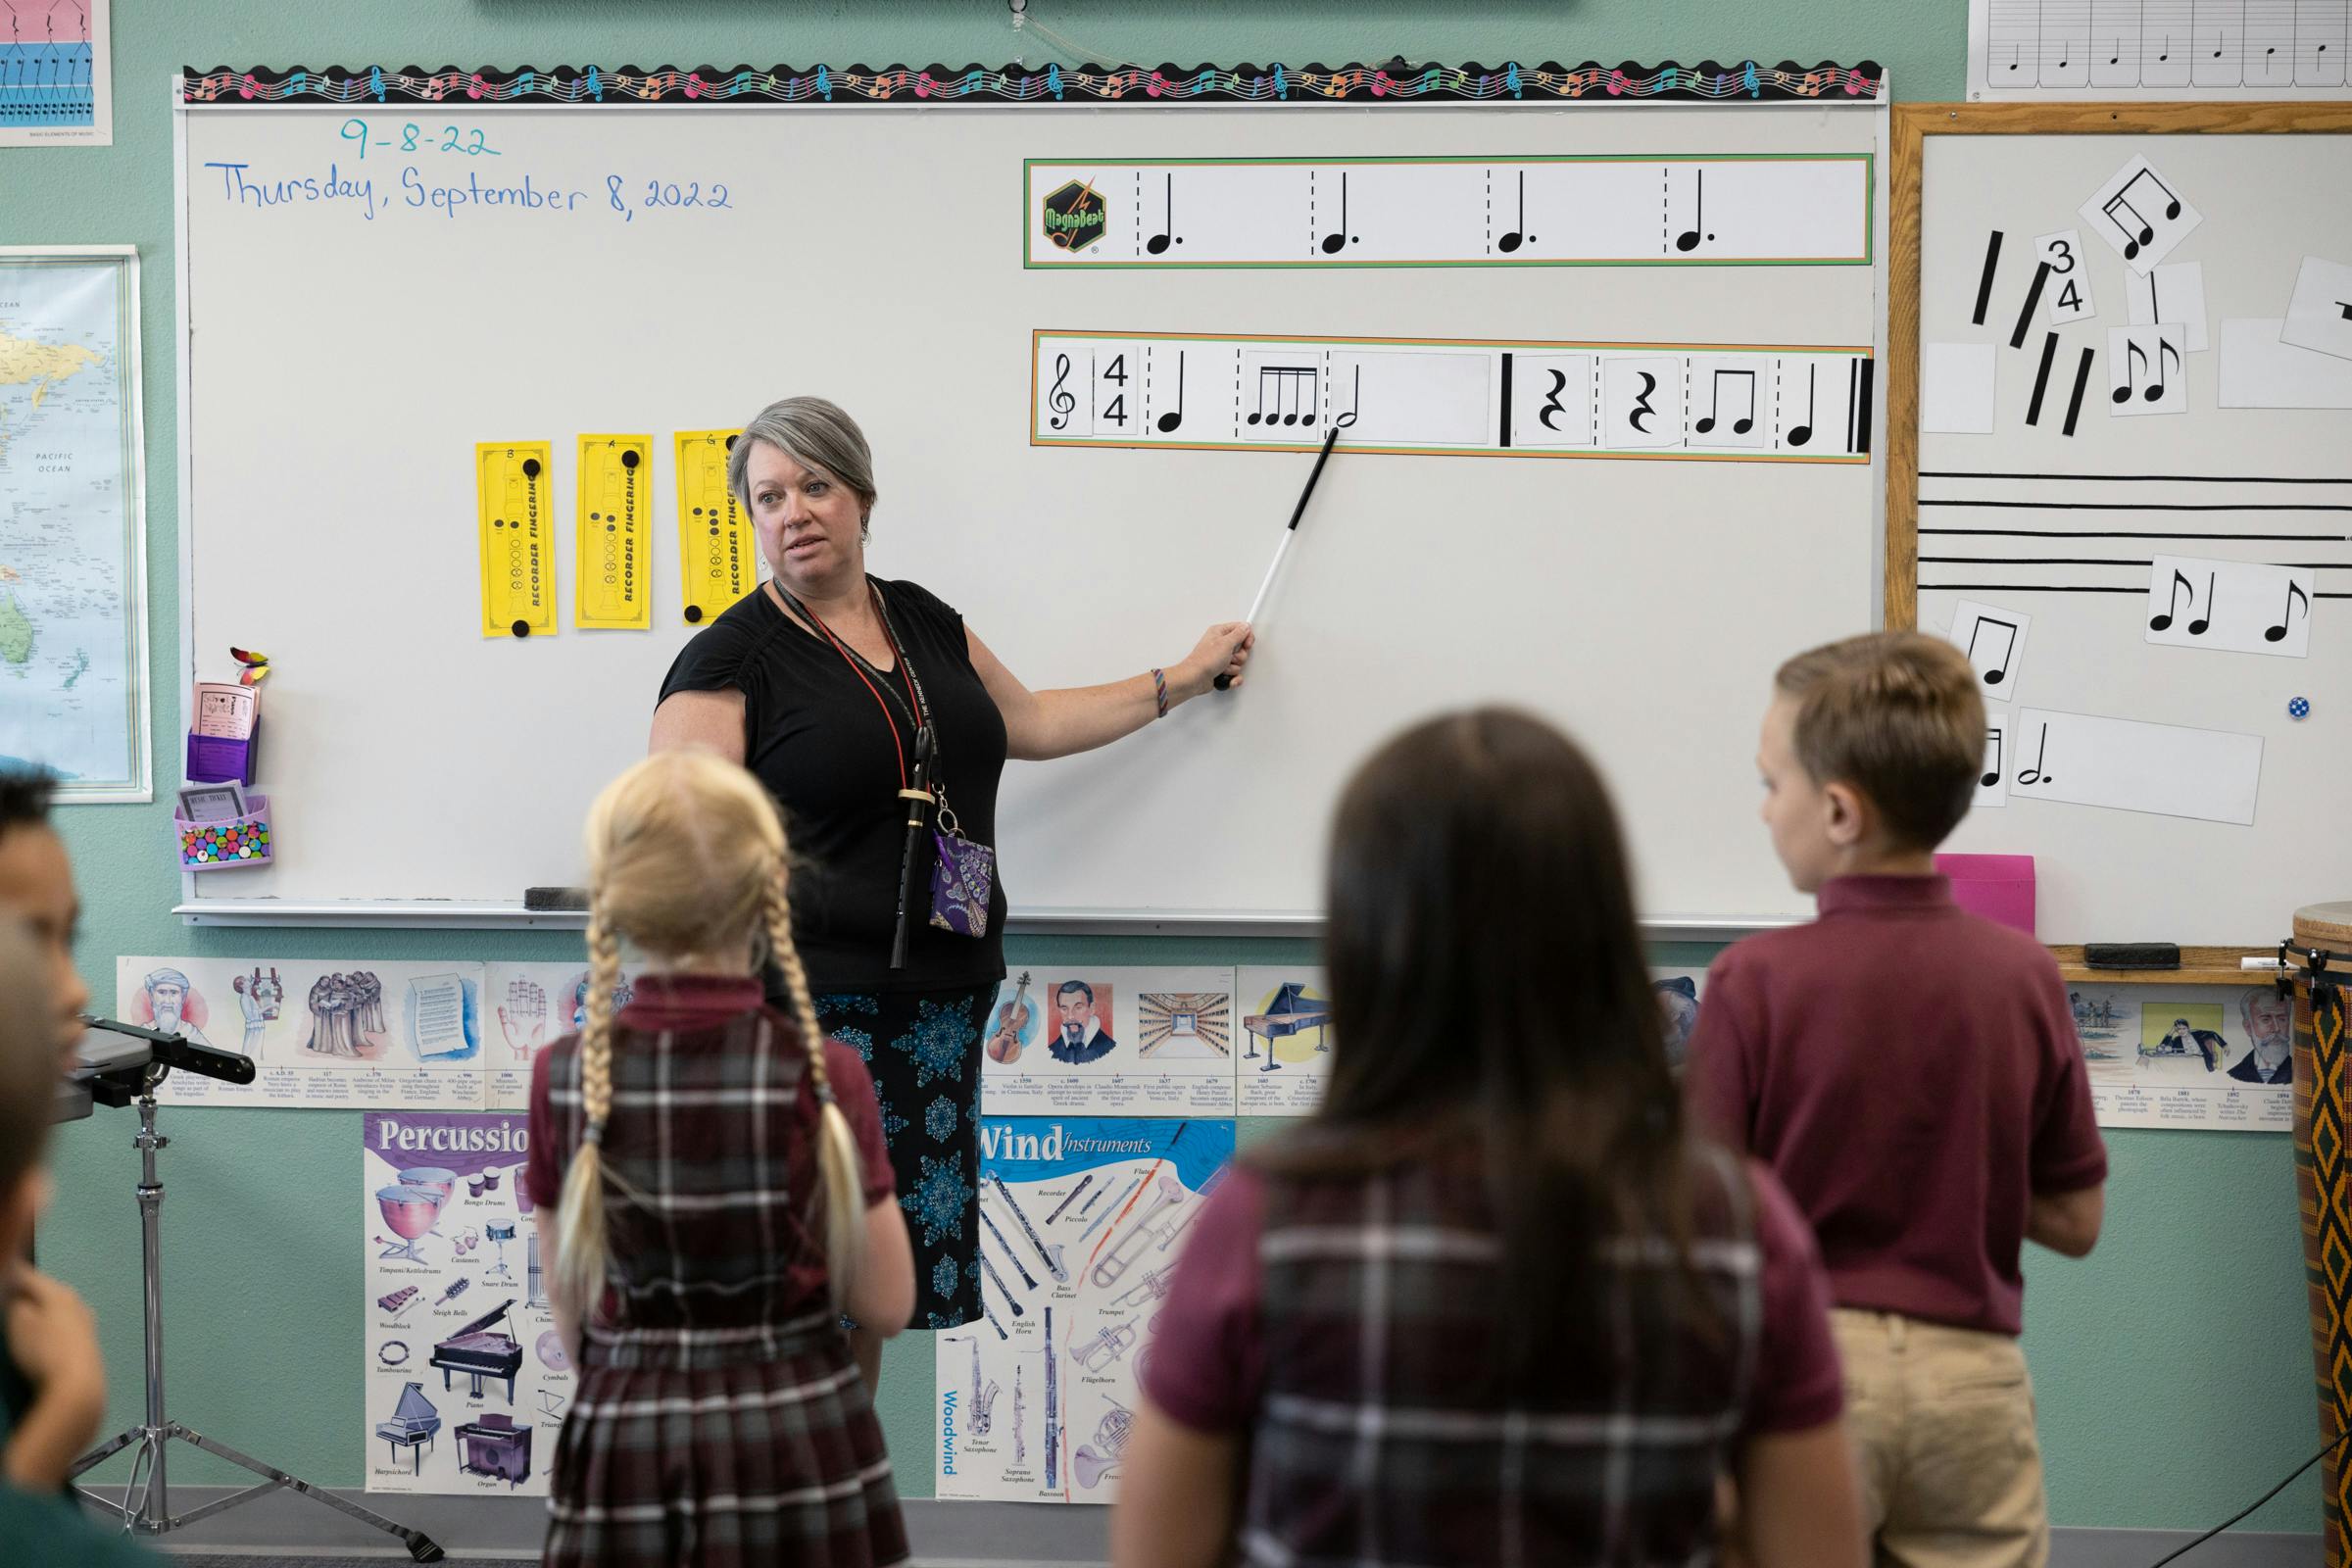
(813, 734)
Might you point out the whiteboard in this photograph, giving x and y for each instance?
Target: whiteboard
(2080, 520)
(339, 370)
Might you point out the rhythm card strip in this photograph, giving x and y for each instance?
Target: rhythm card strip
(1454, 397)
(2157, 48)
(1809, 210)
(2106, 533)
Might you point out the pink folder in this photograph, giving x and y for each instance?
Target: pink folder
(1998, 887)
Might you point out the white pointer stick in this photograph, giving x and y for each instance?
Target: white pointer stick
(1290, 532)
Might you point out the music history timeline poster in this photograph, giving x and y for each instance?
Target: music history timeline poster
(465, 1382)
(1082, 1221)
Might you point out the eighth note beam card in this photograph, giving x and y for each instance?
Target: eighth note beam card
(518, 538)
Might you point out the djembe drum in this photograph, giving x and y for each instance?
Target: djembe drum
(2323, 954)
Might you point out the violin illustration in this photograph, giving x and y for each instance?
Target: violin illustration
(1012, 1019)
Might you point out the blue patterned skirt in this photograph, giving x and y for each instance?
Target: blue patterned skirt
(924, 1048)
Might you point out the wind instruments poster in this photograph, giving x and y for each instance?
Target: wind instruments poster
(1082, 1220)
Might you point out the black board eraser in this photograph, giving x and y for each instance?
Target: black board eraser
(2131, 955)
(554, 899)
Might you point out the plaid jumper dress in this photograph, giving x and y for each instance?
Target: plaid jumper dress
(1383, 1440)
(719, 1419)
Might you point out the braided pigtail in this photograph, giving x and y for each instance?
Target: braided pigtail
(843, 1201)
(582, 1248)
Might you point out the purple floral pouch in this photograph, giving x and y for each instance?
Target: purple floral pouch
(962, 882)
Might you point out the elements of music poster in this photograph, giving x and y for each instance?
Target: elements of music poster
(1083, 1219)
(448, 1241)
(1077, 1039)
(359, 1034)
(2197, 1056)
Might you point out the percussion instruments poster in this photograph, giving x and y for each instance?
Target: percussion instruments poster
(1082, 1220)
(1286, 1017)
(465, 1382)
(1094, 1041)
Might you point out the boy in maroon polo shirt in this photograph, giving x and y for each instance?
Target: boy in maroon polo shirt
(1910, 1073)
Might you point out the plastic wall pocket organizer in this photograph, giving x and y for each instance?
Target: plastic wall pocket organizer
(228, 844)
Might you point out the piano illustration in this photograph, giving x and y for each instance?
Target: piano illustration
(411, 1426)
(480, 1352)
(1291, 1012)
(495, 1447)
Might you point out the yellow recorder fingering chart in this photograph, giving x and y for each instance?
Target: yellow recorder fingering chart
(518, 554)
(614, 541)
(717, 561)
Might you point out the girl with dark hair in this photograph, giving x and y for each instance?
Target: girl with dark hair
(1491, 1303)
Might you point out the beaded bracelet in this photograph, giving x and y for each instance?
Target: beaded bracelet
(1159, 687)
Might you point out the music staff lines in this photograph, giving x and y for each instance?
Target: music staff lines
(1960, 553)
(2132, 533)
(2148, 506)
(2134, 479)
(1454, 397)
(1567, 210)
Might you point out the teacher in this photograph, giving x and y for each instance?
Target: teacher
(820, 682)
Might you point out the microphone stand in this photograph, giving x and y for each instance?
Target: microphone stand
(917, 796)
(152, 1515)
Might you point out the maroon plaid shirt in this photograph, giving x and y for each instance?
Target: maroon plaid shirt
(1344, 1328)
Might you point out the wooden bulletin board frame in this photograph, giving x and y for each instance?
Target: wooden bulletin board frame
(1913, 124)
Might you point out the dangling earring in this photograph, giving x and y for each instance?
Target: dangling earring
(865, 529)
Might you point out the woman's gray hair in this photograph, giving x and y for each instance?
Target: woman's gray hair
(813, 433)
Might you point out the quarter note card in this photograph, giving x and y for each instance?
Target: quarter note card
(2147, 368)
(2140, 214)
(1679, 209)
(2170, 294)
(2234, 606)
(1994, 641)
(2148, 49)
(2127, 766)
(1956, 388)
(2320, 316)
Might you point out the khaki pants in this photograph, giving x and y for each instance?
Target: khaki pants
(1942, 1425)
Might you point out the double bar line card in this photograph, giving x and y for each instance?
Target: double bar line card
(615, 538)
(719, 560)
(519, 541)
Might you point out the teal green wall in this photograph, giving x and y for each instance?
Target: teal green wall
(2173, 1374)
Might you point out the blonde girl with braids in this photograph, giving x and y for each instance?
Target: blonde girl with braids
(712, 1192)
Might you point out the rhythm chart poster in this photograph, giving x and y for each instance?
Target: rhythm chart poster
(1091, 1040)
(1082, 1220)
(465, 1382)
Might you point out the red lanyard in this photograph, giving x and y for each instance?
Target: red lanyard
(857, 669)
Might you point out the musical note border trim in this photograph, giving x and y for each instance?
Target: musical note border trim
(1010, 85)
